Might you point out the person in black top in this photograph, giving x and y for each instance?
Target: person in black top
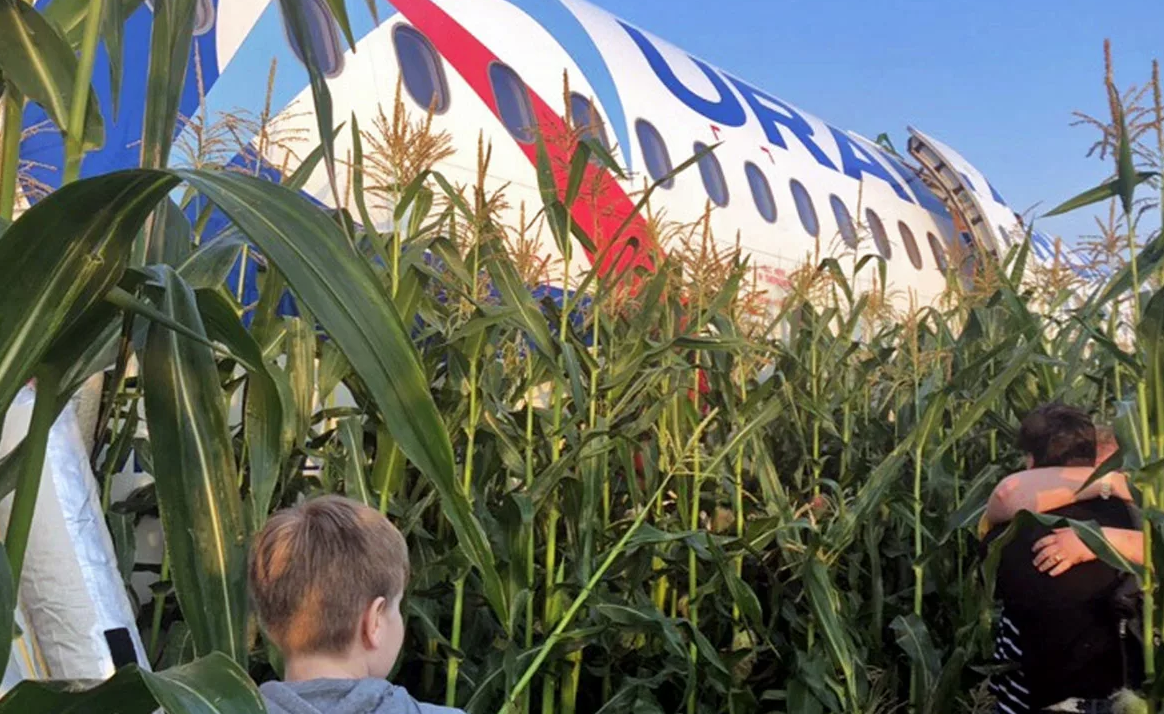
(1064, 632)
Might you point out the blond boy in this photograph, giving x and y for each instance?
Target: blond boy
(326, 579)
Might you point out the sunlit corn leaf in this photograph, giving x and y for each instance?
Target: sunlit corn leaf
(39, 62)
(211, 685)
(61, 257)
(194, 469)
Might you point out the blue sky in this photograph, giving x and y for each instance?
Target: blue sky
(996, 79)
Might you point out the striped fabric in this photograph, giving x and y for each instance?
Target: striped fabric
(1009, 688)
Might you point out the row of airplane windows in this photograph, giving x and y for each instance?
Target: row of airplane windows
(424, 79)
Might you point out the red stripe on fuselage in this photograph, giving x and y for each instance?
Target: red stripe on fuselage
(602, 205)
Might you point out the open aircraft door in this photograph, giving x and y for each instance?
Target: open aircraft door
(947, 175)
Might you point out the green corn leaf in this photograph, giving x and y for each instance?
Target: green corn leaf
(1148, 261)
(170, 40)
(298, 178)
(194, 468)
(1151, 334)
(1127, 178)
(516, 295)
(351, 432)
(998, 384)
(942, 697)
(295, 16)
(7, 610)
(358, 192)
(268, 442)
(39, 62)
(88, 347)
(171, 242)
(299, 345)
(826, 610)
(1111, 189)
(344, 295)
(61, 257)
(578, 163)
(69, 16)
(664, 181)
(209, 266)
(211, 685)
(339, 13)
(131, 304)
(973, 502)
(117, 13)
(171, 37)
(914, 638)
(333, 368)
(121, 530)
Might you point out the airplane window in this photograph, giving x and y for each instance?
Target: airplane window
(844, 221)
(805, 208)
(761, 192)
(587, 118)
(655, 154)
(712, 174)
(938, 251)
(877, 228)
(322, 36)
(910, 244)
(424, 74)
(513, 102)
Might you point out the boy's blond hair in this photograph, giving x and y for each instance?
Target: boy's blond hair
(315, 568)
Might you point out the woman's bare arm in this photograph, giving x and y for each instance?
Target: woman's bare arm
(1045, 489)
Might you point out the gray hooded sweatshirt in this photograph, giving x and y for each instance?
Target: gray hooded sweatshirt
(344, 696)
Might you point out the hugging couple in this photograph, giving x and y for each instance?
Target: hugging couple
(1068, 635)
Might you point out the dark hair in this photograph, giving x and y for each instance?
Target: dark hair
(1058, 435)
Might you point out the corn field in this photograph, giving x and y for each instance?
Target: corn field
(659, 492)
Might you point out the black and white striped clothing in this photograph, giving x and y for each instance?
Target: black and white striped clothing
(1009, 688)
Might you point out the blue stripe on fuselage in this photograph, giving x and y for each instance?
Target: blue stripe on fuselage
(560, 22)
